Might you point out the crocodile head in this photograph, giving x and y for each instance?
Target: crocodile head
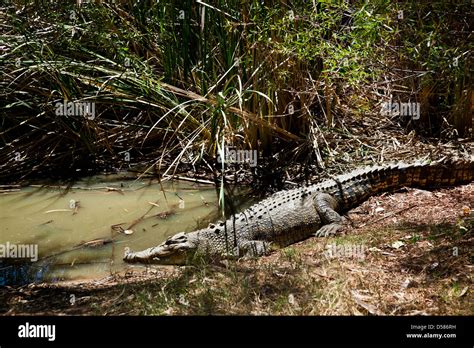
(176, 250)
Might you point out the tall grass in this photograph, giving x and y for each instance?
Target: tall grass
(182, 78)
(435, 64)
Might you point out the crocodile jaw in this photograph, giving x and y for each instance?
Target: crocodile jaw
(176, 250)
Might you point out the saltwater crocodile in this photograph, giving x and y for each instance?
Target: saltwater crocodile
(290, 216)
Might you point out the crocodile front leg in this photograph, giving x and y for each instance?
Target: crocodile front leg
(326, 206)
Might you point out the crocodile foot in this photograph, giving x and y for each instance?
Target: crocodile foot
(329, 229)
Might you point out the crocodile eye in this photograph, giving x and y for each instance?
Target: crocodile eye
(175, 240)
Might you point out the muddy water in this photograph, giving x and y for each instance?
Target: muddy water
(82, 232)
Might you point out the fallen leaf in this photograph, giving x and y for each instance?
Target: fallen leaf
(463, 291)
(408, 283)
(397, 245)
(379, 209)
(360, 300)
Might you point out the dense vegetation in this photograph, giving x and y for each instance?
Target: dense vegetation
(175, 82)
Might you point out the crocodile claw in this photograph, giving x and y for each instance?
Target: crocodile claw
(328, 230)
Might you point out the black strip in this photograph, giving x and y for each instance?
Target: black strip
(289, 331)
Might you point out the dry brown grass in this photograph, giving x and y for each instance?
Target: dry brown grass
(409, 268)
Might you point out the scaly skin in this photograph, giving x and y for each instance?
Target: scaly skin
(290, 216)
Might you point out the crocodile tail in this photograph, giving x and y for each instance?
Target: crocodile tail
(450, 172)
(357, 186)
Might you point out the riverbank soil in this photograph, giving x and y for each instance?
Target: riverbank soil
(407, 253)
